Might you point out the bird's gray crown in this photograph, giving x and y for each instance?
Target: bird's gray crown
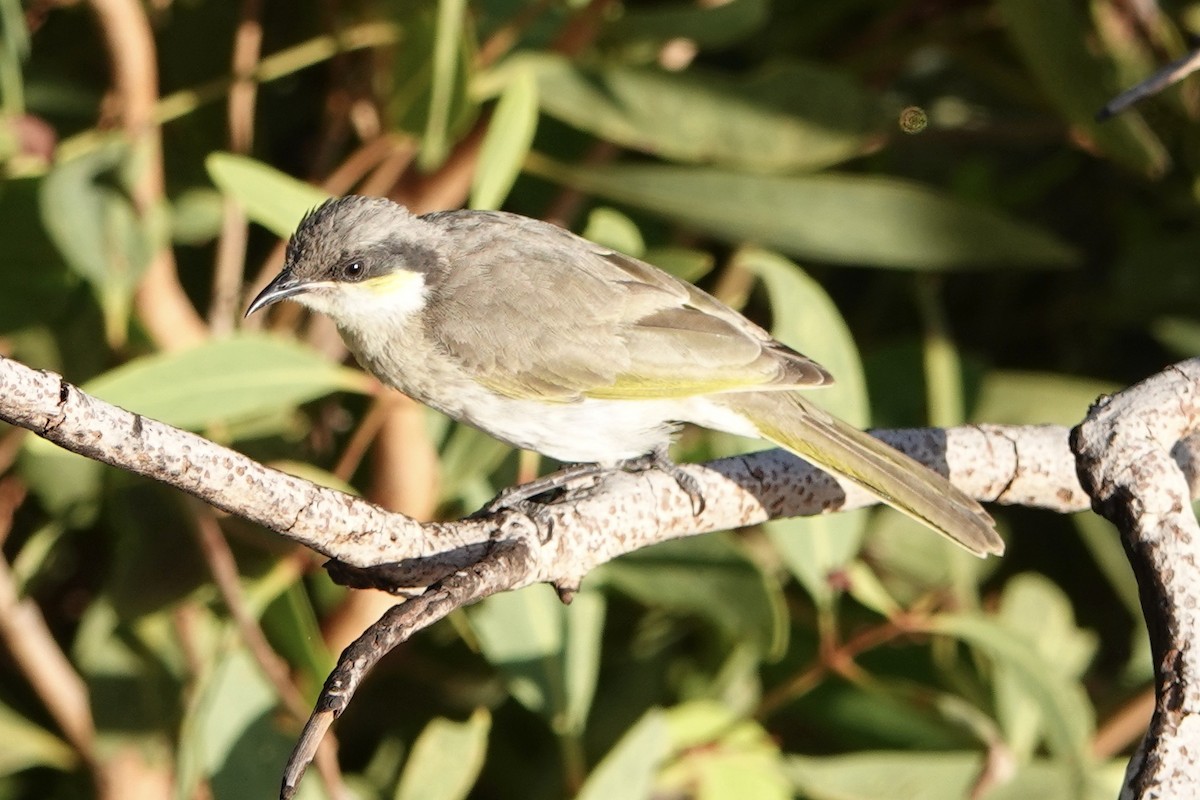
(374, 233)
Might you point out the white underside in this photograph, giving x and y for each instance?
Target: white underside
(592, 430)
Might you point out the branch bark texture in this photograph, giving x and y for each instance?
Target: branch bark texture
(1133, 460)
(1128, 451)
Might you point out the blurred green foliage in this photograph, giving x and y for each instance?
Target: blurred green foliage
(914, 192)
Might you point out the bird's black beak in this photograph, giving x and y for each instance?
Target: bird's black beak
(282, 287)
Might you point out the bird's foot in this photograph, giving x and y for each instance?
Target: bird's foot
(659, 459)
(558, 485)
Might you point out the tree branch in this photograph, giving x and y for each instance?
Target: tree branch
(446, 565)
(1129, 451)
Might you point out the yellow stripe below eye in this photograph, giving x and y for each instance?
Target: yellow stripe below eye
(398, 281)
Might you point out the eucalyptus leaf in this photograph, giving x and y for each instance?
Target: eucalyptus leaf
(685, 577)
(431, 73)
(549, 652)
(223, 380)
(446, 759)
(814, 548)
(87, 211)
(627, 771)
(509, 137)
(1067, 715)
(727, 755)
(885, 775)
(790, 117)
(273, 199)
(847, 219)
(610, 228)
(1053, 39)
(709, 26)
(27, 745)
(1031, 398)
(1065, 648)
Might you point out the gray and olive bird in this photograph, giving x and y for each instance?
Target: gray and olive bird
(551, 343)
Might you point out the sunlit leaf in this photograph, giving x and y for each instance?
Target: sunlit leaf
(684, 576)
(1067, 715)
(1032, 398)
(726, 756)
(87, 210)
(628, 770)
(790, 117)
(509, 137)
(273, 199)
(842, 219)
(1063, 647)
(446, 759)
(223, 380)
(814, 548)
(610, 228)
(28, 745)
(550, 652)
(431, 73)
(938, 776)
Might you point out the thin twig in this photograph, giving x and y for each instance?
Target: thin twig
(231, 245)
(161, 302)
(223, 567)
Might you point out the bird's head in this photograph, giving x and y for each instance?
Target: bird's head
(361, 260)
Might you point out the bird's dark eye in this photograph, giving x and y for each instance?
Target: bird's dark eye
(353, 270)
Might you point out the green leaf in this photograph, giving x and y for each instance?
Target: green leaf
(686, 263)
(709, 26)
(196, 216)
(509, 137)
(224, 380)
(1068, 717)
(231, 735)
(1053, 39)
(610, 228)
(1180, 335)
(28, 745)
(791, 117)
(722, 756)
(431, 73)
(1064, 648)
(447, 81)
(627, 772)
(86, 210)
(549, 652)
(273, 199)
(805, 317)
(937, 776)
(842, 219)
(684, 576)
(446, 759)
(1032, 398)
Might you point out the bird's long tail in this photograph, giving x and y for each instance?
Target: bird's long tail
(818, 437)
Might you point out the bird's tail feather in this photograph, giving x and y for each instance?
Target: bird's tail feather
(818, 437)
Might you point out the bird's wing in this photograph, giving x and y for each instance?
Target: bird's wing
(548, 314)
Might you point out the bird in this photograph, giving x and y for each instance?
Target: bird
(552, 343)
